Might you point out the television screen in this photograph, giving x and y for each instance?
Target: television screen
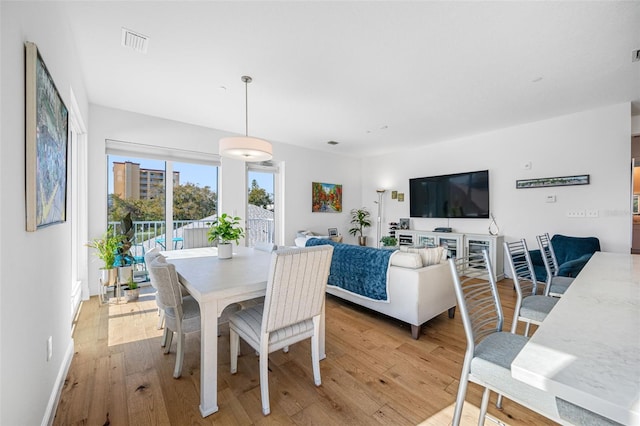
(461, 195)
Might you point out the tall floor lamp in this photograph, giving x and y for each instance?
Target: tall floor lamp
(380, 194)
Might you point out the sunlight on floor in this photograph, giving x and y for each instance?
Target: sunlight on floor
(470, 414)
(129, 322)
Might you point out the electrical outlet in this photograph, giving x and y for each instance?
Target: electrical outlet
(576, 213)
(592, 213)
(49, 348)
(551, 198)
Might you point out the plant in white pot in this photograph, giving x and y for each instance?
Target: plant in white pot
(360, 219)
(224, 230)
(106, 248)
(131, 291)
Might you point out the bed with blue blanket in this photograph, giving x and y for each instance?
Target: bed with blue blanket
(359, 270)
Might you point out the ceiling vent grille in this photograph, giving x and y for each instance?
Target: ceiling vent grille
(134, 40)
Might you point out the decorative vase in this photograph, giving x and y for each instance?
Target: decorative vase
(130, 294)
(108, 277)
(124, 274)
(362, 241)
(225, 250)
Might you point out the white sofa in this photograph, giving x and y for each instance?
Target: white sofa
(415, 293)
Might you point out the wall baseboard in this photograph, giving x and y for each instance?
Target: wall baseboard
(50, 412)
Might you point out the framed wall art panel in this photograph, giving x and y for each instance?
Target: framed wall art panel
(326, 197)
(553, 181)
(46, 134)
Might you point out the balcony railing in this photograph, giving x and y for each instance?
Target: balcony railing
(149, 234)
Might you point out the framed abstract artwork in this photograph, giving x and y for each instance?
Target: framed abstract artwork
(46, 134)
(553, 181)
(326, 197)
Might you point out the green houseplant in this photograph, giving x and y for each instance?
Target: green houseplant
(105, 249)
(225, 229)
(388, 241)
(124, 259)
(132, 291)
(360, 219)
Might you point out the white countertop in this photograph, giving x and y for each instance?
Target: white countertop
(587, 351)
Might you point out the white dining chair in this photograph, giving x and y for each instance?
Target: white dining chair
(490, 351)
(149, 257)
(556, 285)
(181, 315)
(195, 238)
(265, 246)
(293, 304)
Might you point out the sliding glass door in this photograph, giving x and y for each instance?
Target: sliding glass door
(171, 213)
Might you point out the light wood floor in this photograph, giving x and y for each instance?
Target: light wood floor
(374, 373)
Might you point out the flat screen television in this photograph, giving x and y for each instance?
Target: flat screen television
(460, 195)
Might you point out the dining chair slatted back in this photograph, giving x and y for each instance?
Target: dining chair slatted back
(296, 288)
(555, 285)
(548, 255)
(490, 351)
(482, 311)
(293, 304)
(195, 238)
(530, 307)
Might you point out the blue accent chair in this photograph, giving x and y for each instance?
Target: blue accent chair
(572, 254)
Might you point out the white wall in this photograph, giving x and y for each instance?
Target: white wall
(300, 168)
(635, 125)
(35, 267)
(594, 142)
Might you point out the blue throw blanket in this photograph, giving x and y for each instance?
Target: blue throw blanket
(360, 270)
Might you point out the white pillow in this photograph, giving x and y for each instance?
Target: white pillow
(406, 260)
(430, 256)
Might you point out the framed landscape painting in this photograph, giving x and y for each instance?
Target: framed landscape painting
(326, 197)
(46, 123)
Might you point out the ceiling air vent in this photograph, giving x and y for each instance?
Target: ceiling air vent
(134, 40)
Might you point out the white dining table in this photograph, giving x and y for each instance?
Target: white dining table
(587, 350)
(215, 284)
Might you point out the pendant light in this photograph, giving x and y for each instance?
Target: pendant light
(246, 148)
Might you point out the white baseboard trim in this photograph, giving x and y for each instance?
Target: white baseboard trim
(50, 412)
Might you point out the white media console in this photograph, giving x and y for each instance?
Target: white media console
(458, 244)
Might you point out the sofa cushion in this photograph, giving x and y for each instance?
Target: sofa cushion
(406, 260)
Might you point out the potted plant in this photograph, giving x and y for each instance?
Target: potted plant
(388, 241)
(106, 248)
(225, 229)
(132, 291)
(124, 261)
(360, 219)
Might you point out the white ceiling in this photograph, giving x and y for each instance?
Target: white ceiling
(374, 76)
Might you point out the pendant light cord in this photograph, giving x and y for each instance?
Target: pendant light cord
(246, 80)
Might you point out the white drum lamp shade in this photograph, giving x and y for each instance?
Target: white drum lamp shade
(245, 148)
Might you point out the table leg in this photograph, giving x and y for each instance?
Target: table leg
(209, 358)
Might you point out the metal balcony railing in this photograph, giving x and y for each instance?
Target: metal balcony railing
(149, 234)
